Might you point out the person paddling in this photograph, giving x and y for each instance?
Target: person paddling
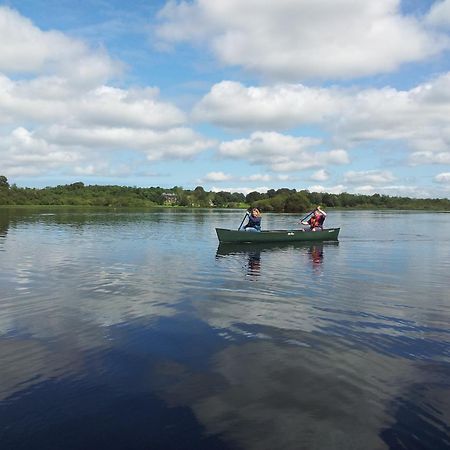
(254, 221)
(317, 219)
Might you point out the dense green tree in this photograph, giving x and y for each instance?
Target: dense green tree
(297, 202)
(238, 197)
(282, 200)
(77, 185)
(253, 197)
(4, 182)
(200, 197)
(330, 200)
(285, 191)
(222, 199)
(316, 198)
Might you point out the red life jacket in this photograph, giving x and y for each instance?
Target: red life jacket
(316, 222)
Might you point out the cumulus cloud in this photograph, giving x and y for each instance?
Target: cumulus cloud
(376, 177)
(233, 105)
(330, 189)
(421, 158)
(292, 40)
(220, 177)
(258, 177)
(399, 190)
(281, 153)
(443, 178)
(25, 153)
(152, 133)
(368, 189)
(439, 14)
(26, 49)
(50, 100)
(172, 143)
(63, 116)
(87, 151)
(418, 118)
(134, 107)
(320, 175)
(217, 176)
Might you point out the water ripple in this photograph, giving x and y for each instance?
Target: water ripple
(106, 317)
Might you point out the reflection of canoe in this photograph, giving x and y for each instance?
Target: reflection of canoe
(225, 249)
(330, 234)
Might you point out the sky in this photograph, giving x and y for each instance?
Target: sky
(325, 95)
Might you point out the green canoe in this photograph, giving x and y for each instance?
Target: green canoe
(327, 234)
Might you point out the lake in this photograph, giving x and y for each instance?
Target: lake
(136, 330)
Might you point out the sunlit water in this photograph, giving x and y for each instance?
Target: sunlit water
(136, 330)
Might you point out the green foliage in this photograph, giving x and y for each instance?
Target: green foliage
(4, 182)
(281, 200)
(285, 200)
(297, 202)
(225, 199)
(253, 196)
(200, 198)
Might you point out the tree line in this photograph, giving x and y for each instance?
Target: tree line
(280, 200)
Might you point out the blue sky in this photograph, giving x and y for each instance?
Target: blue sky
(325, 95)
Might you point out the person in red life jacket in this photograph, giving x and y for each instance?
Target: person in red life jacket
(254, 221)
(316, 221)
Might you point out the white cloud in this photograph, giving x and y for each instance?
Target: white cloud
(223, 177)
(417, 119)
(25, 48)
(392, 190)
(61, 147)
(368, 189)
(421, 158)
(377, 177)
(25, 153)
(443, 178)
(86, 151)
(320, 175)
(62, 116)
(292, 40)
(281, 153)
(258, 177)
(419, 116)
(50, 100)
(217, 176)
(89, 169)
(233, 105)
(134, 107)
(155, 144)
(23, 102)
(439, 14)
(337, 189)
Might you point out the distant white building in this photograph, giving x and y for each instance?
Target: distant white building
(169, 198)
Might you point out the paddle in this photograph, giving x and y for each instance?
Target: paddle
(304, 218)
(246, 214)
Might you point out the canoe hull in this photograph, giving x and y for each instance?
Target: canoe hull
(234, 236)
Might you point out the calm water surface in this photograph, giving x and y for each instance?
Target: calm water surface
(136, 330)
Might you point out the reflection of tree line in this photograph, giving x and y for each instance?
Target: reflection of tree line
(4, 223)
(77, 218)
